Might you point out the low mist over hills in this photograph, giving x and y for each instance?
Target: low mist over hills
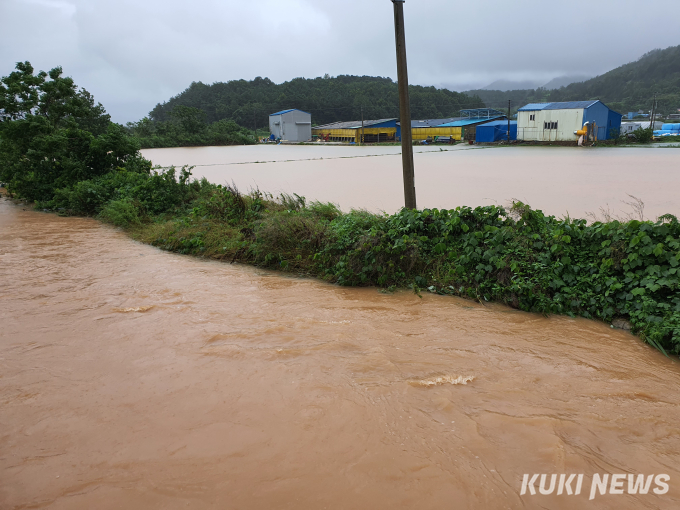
(330, 99)
(555, 83)
(627, 88)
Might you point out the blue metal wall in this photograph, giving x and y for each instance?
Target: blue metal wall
(614, 124)
(496, 131)
(599, 114)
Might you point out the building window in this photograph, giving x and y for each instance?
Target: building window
(550, 125)
(532, 116)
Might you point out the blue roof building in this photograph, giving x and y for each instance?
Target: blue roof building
(559, 121)
(496, 131)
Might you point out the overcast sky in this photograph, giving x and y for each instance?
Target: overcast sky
(133, 54)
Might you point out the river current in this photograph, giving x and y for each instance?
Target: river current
(139, 379)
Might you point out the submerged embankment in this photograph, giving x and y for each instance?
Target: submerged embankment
(136, 378)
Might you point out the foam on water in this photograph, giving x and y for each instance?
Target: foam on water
(441, 379)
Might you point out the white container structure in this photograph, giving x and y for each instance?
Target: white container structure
(559, 122)
(291, 125)
(629, 127)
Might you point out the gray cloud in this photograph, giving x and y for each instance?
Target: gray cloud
(134, 54)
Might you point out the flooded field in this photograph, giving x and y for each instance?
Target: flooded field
(558, 180)
(138, 379)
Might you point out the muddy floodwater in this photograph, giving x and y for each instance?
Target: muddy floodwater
(132, 378)
(558, 180)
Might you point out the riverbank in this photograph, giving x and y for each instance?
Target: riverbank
(518, 256)
(139, 379)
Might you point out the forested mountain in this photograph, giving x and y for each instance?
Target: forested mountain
(627, 88)
(328, 99)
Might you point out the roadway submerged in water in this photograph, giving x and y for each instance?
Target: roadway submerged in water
(133, 378)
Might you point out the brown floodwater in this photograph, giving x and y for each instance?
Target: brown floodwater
(132, 378)
(558, 180)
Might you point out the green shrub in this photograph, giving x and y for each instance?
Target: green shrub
(643, 135)
(121, 213)
(327, 211)
(288, 240)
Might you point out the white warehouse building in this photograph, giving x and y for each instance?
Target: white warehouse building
(291, 125)
(557, 122)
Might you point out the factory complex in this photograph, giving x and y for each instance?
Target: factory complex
(573, 121)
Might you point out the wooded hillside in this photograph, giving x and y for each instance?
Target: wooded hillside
(328, 99)
(627, 88)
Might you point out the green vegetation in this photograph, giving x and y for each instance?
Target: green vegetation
(627, 88)
(520, 256)
(249, 103)
(59, 149)
(187, 127)
(53, 135)
(643, 135)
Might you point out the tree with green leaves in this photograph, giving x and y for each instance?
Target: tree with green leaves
(53, 134)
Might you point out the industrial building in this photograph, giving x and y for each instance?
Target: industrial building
(374, 131)
(291, 125)
(389, 130)
(496, 131)
(472, 118)
(430, 129)
(457, 128)
(550, 122)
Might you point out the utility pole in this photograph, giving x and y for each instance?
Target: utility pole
(254, 123)
(362, 125)
(651, 125)
(404, 107)
(509, 103)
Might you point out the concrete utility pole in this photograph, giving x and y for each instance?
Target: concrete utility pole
(404, 107)
(509, 103)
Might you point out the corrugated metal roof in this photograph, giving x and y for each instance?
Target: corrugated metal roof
(500, 123)
(466, 122)
(571, 105)
(287, 111)
(533, 107)
(566, 105)
(355, 124)
(432, 122)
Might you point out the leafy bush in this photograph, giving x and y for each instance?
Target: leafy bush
(121, 213)
(643, 135)
(158, 192)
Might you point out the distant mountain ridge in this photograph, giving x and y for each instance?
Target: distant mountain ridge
(555, 83)
(630, 87)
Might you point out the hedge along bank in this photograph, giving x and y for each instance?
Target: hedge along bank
(520, 256)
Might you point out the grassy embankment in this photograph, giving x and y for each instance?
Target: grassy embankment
(521, 257)
(60, 150)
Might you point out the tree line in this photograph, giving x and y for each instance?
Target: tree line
(328, 99)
